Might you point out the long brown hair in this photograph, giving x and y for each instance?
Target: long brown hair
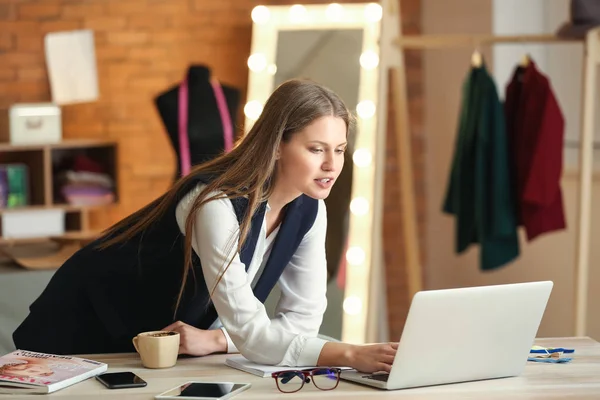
(247, 170)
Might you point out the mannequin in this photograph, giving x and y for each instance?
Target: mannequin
(205, 129)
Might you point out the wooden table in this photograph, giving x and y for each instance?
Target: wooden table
(579, 379)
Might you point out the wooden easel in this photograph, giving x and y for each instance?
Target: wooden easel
(590, 80)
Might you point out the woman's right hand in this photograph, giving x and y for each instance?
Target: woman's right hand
(369, 358)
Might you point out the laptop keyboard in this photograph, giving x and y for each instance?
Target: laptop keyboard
(378, 377)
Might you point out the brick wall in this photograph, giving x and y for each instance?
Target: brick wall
(143, 47)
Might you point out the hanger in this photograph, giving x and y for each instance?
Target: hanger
(476, 59)
(525, 61)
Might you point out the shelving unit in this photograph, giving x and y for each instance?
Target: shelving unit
(42, 161)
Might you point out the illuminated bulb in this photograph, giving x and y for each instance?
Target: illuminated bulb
(362, 157)
(369, 60)
(352, 305)
(355, 255)
(365, 109)
(257, 62)
(359, 206)
(297, 13)
(272, 69)
(373, 12)
(260, 14)
(253, 109)
(334, 11)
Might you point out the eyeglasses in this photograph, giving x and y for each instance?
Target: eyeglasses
(291, 381)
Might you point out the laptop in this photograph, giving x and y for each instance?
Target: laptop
(467, 334)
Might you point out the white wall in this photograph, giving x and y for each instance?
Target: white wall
(550, 256)
(562, 63)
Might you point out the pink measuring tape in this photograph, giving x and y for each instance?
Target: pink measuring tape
(184, 143)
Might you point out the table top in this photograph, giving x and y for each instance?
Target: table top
(579, 379)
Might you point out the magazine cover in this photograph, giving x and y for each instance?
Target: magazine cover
(30, 372)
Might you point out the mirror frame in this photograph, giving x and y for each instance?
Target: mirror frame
(363, 237)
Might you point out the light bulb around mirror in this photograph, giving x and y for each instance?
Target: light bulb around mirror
(369, 60)
(352, 305)
(260, 14)
(362, 158)
(355, 255)
(297, 13)
(359, 206)
(334, 12)
(257, 62)
(365, 109)
(253, 109)
(373, 12)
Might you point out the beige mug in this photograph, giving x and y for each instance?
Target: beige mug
(157, 349)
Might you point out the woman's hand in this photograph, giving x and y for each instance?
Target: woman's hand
(369, 358)
(198, 342)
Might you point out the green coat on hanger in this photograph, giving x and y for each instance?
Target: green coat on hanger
(479, 193)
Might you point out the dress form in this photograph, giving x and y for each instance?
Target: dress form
(205, 128)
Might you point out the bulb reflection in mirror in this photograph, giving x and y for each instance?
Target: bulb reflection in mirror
(253, 109)
(373, 12)
(365, 109)
(272, 69)
(260, 14)
(359, 206)
(362, 158)
(352, 305)
(355, 255)
(369, 60)
(257, 62)
(334, 12)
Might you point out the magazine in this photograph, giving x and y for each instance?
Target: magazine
(30, 372)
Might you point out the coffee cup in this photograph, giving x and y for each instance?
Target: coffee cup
(157, 349)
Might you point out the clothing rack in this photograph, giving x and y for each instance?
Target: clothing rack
(591, 60)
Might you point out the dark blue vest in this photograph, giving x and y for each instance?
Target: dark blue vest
(100, 299)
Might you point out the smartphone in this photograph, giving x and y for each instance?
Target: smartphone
(121, 380)
(204, 391)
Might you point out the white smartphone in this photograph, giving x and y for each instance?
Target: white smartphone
(195, 390)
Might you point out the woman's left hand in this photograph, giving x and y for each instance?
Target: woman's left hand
(198, 342)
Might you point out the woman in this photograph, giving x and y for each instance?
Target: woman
(207, 253)
(29, 368)
(24, 366)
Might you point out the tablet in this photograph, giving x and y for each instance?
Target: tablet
(194, 390)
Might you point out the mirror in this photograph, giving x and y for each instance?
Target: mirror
(337, 46)
(326, 56)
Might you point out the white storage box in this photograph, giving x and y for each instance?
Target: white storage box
(33, 223)
(33, 123)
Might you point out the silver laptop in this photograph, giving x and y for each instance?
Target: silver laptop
(459, 335)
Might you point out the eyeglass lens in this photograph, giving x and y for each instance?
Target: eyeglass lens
(325, 379)
(290, 381)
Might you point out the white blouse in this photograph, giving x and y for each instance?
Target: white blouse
(290, 338)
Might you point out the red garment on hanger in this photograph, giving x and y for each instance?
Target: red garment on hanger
(535, 127)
